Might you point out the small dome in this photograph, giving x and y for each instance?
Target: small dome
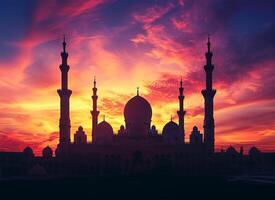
(231, 151)
(28, 152)
(254, 151)
(138, 108)
(47, 152)
(122, 127)
(103, 133)
(171, 132)
(195, 128)
(80, 128)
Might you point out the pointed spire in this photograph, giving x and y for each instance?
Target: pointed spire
(64, 43)
(208, 43)
(94, 82)
(137, 91)
(181, 111)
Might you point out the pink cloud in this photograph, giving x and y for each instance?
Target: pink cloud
(151, 14)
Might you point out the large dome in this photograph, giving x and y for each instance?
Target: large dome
(138, 114)
(138, 108)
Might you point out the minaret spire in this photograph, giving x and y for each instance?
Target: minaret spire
(94, 82)
(64, 44)
(94, 112)
(208, 44)
(181, 112)
(208, 94)
(64, 93)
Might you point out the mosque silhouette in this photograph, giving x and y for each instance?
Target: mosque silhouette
(137, 137)
(138, 148)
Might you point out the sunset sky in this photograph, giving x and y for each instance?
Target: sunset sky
(131, 43)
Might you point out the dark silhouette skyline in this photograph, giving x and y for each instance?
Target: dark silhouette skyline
(114, 141)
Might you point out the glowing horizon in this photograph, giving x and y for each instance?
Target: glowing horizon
(130, 44)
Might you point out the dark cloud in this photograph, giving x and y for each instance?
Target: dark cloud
(247, 53)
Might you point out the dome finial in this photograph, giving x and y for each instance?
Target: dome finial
(137, 91)
(103, 117)
(171, 118)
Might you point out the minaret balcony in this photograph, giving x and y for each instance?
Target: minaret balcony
(209, 68)
(65, 92)
(208, 93)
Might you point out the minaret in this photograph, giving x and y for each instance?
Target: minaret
(181, 111)
(94, 112)
(64, 93)
(208, 95)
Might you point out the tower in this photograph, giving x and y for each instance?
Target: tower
(208, 94)
(94, 112)
(64, 94)
(181, 111)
